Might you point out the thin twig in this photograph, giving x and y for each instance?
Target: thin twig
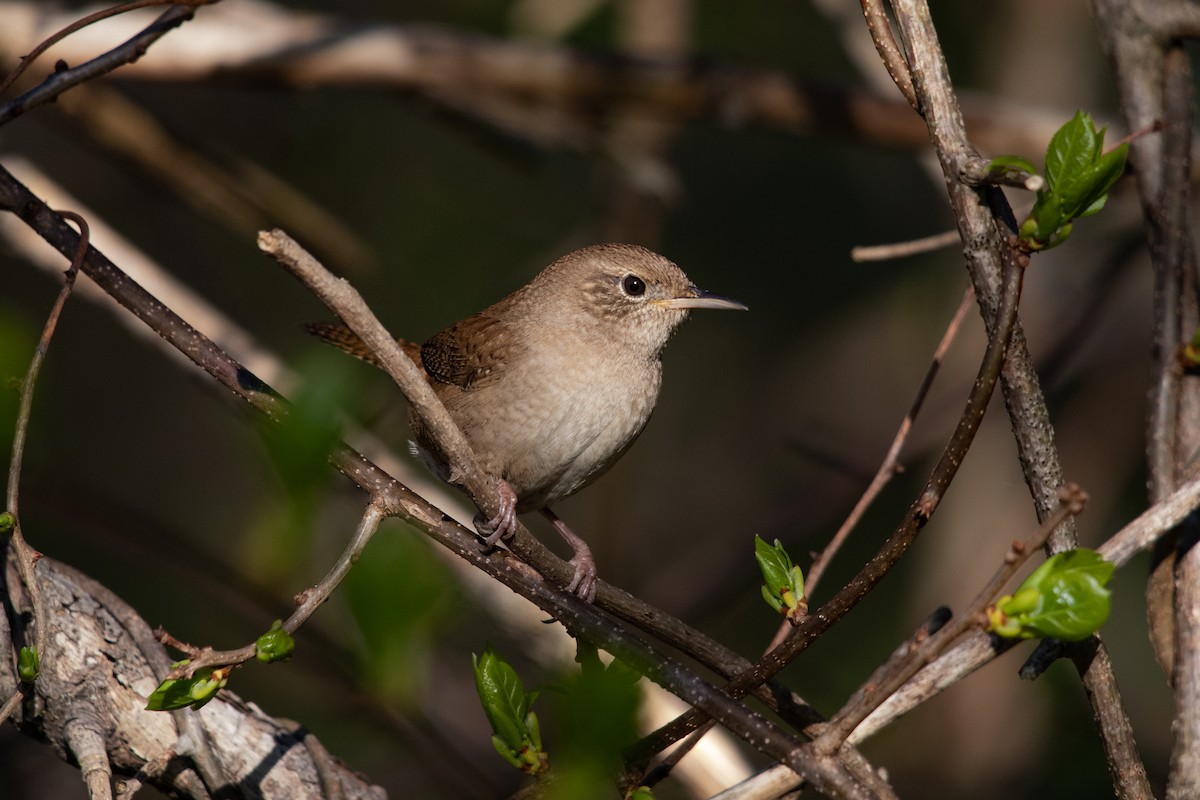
(888, 468)
(127, 53)
(891, 462)
(343, 300)
(978, 171)
(889, 51)
(28, 59)
(925, 647)
(886, 252)
(26, 556)
(307, 602)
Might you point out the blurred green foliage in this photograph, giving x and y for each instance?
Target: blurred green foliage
(401, 597)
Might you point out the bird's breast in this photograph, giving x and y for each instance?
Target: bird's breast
(556, 421)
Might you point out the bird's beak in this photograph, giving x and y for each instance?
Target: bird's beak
(698, 298)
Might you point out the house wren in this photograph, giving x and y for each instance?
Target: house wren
(552, 384)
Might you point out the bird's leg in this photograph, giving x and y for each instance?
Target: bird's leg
(583, 584)
(504, 524)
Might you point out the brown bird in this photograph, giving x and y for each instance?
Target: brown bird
(552, 384)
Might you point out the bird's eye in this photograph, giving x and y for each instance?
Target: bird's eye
(633, 285)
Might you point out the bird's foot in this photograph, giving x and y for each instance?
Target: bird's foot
(504, 524)
(583, 582)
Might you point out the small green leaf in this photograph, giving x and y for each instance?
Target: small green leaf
(772, 600)
(1073, 147)
(170, 695)
(773, 562)
(1007, 163)
(204, 689)
(507, 706)
(503, 749)
(1078, 176)
(783, 582)
(641, 793)
(1095, 208)
(29, 665)
(1100, 177)
(1065, 598)
(274, 645)
(503, 697)
(7, 523)
(195, 691)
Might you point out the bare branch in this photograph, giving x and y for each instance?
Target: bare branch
(27, 557)
(891, 462)
(28, 59)
(127, 53)
(933, 639)
(875, 13)
(307, 602)
(885, 252)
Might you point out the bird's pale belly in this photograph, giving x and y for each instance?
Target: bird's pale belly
(562, 440)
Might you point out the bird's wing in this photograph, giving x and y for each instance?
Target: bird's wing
(470, 353)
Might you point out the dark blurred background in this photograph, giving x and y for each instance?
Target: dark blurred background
(144, 473)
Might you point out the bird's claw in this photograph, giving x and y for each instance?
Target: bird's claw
(504, 524)
(583, 583)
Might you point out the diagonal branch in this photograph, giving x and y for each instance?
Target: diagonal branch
(126, 53)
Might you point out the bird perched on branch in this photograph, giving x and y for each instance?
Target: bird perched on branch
(552, 384)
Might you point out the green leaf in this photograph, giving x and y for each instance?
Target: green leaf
(1078, 176)
(1101, 175)
(1007, 163)
(1080, 191)
(783, 582)
(773, 562)
(641, 793)
(195, 691)
(1095, 208)
(517, 736)
(204, 689)
(1065, 598)
(502, 695)
(7, 523)
(503, 749)
(1073, 147)
(29, 665)
(274, 645)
